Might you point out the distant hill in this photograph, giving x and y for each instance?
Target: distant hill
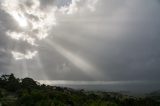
(155, 95)
(27, 92)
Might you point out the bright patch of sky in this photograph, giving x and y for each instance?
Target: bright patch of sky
(34, 21)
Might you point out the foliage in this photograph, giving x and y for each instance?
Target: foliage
(27, 92)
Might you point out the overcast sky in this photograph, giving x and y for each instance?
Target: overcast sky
(81, 40)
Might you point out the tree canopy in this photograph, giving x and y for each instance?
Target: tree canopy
(27, 92)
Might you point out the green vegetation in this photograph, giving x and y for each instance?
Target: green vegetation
(27, 92)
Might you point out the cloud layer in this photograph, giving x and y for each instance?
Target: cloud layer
(79, 39)
(35, 20)
(34, 23)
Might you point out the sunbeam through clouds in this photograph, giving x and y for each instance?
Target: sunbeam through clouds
(35, 22)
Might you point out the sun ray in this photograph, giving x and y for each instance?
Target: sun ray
(41, 69)
(78, 61)
(24, 68)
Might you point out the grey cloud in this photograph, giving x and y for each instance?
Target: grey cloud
(7, 22)
(45, 3)
(123, 43)
(57, 3)
(120, 38)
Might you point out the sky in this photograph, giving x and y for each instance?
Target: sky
(89, 41)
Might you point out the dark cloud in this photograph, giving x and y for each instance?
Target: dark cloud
(120, 39)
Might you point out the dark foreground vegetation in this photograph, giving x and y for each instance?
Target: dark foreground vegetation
(27, 92)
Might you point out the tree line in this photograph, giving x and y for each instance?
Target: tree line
(28, 92)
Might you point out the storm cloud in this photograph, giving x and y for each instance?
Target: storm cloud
(84, 40)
